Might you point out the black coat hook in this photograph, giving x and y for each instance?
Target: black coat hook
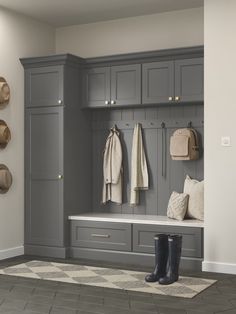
(190, 124)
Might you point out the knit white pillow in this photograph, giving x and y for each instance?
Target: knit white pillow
(195, 189)
(177, 205)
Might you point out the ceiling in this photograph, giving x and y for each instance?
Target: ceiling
(70, 12)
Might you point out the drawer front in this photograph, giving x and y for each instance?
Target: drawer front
(143, 238)
(101, 235)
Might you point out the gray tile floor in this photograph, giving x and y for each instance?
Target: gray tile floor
(23, 295)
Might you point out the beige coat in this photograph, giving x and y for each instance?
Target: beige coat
(139, 172)
(112, 169)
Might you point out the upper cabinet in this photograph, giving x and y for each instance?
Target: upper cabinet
(97, 87)
(46, 86)
(113, 86)
(172, 81)
(189, 80)
(151, 78)
(158, 82)
(126, 85)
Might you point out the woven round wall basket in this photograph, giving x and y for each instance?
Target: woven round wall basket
(4, 93)
(5, 134)
(5, 179)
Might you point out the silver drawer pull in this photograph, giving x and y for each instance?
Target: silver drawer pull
(95, 235)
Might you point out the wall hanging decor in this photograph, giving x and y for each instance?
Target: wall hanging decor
(5, 179)
(4, 93)
(5, 134)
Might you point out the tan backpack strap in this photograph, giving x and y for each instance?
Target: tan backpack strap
(196, 147)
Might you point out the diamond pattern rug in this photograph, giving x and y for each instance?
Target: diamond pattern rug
(186, 287)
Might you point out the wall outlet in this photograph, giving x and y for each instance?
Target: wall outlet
(225, 141)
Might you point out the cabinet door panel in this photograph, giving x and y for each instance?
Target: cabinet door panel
(157, 82)
(45, 86)
(143, 238)
(97, 85)
(189, 79)
(43, 165)
(126, 84)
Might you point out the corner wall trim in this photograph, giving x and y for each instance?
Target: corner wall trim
(218, 267)
(12, 252)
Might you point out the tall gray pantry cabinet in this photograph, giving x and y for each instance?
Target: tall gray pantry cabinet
(57, 147)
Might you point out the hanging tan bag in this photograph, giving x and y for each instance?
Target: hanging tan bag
(184, 144)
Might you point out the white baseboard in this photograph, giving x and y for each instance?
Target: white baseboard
(12, 252)
(217, 267)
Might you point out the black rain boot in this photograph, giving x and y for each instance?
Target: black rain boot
(161, 255)
(174, 250)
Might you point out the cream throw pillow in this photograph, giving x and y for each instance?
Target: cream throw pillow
(177, 205)
(195, 189)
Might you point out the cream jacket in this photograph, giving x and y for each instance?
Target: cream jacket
(112, 169)
(139, 172)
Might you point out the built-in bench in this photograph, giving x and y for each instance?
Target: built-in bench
(129, 238)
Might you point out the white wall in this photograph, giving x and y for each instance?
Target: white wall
(220, 115)
(151, 32)
(20, 37)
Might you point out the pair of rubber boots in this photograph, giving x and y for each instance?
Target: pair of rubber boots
(167, 258)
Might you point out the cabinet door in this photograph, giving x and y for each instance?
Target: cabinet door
(189, 79)
(43, 167)
(45, 86)
(191, 244)
(126, 85)
(97, 87)
(157, 82)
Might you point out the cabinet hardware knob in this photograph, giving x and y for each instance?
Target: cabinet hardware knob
(107, 102)
(177, 98)
(170, 98)
(59, 101)
(60, 176)
(113, 102)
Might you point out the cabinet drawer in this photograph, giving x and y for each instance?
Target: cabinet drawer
(101, 235)
(143, 238)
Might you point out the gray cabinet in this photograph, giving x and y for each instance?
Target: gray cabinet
(44, 176)
(189, 81)
(46, 86)
(126, 85)
(157, 82)
(55, 128)
(97, 87)
(113, 86)
(131, 243)
(172, 81)
(143, 238)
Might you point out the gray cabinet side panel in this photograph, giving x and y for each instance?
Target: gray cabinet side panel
(77, 148)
